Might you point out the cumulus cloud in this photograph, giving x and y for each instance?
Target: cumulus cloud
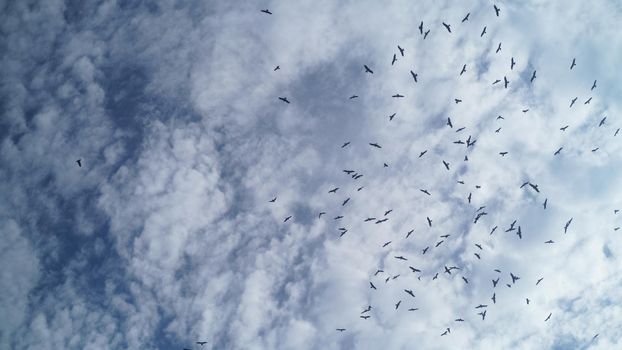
(166, 235)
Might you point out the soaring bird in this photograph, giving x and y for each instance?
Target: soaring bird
(371, 285)
(276, 68)
(505, 82)
(353, 97)
(548, 317)
(398, 304)
(364, 317)
(414, 75)
(392, 116)
(287, 218)
(539, 280)
(79, 161)
(368, 70)
(409, 292)
(397, 96)
(421, 28)
(587, 101)
(533, 76)
(544, 204)
(567, 225)
(514, 278)
(341, 329)
(466, 18)
(463, 69)
(446, 165)
(429, 221)
(266, 11)
(483, 32)
(557, 152)
(602, 122)
(273, 200)
(512, 63)
(573, 101)
(593, 86)
(375, 145)
(494, 298)
(574, 63)
(334, 190)
(447, 26)
(201, 343)
(449, 122)
(284, 99)
(497, 10)
(425, 35)
(498, 48)
(345, 144)
(401, 50)
(426, 192)
(394, 59)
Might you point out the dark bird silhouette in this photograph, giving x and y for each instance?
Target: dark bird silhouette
(525, 110)
(287, 218)
(368, 70)
(276, 68)
(503, 153)
(544, 204)
(421, 28)
(535, 187)
(435, 276)
(447, 26)
(444, 333)
(533, 76)
(497, 10)
(439, 243)
(460, 129)
(573, 101)
(481, 306)
(595, 149)
(496, 81)
(447, 270)
(425, 250)
(334, 190)
(388, 212)
(348, 171)
(458, 320)
(465, 280)
(483, 32)
(466, 18)
(409, 233)
(413, 309)
(514, 278)
(512, 63)
(425, 35)
(341, 329)
(422, 153)
(457, 100)
(564, 128)
(79, 162)
(494, 282)
(463, 70)
(201, 343)
(381, 221)
(345, 144)
(401, 50)
(375, 145)
(414, 269)
(414, 75)
(479, 246)
(548, 317)
(587, 101)
(284, 99)
(377, 272)
(505, 82)
(386, 244)
(409, 292)
(429, 221)
(394, 59)
(477, 255)
(371, 285)
(346, 201)
(338, 217)
(446, 165)
(320, 214)
(364, 317)
(539, 280)
(574, 63)
(469, 197)
(367, 310)
(602, 122)
(426, 192)
(392, 116)
(273, 200)
(400, 258)
(449, 122)
(616, 133)
(494, 298)
(397, 96)
(266, 11)
(557, 152)
(593, 86)
(567, 225)
(398, 304)
(483, 314)
(498, 48)
(519, 233)
(527, 300)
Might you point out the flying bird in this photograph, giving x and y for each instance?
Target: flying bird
(368, 70)
(494, 298)
(539, 280)
(447, 26)
(334, 190)
(422, 153)
(346, 201)
(341, 329)
(273, 200)
(457, 100)
(446, 165)
(276, 68)
(284, 99)
(587, 101)
(371, 285)
(426, 192)
(483, 32)
(497, 10)
(548, 317)
(320, 214)
(409, 292)
(287, 218)
(414, 75)
(401, 50)
(602, 122)
(463, 70)
(466, 18)
(364, 317)
(421, 27)
(449, 122)
(573, 101)
(498, 48)
(483, 314)
(397, 96)
(567, 225)
(564, 128)
(201, 343)
(394, 59)
(533, 76)
(392, 116)
(375, 145)
(514, 278)
(557, 152)
(386, 244)
(79, 162)
(345, 144)
(505, 82)
(429, 221)
(266, 11)
(593, 86)
(398, 304)
(544, 204)
(494, 282)
(400, 258)
(425, 35)
(574, 63)
(512, 63)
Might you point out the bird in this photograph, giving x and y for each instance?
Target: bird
(477, 255)
(414, 75)
(483, 314)
(381, 221)
(480, 306)
(447, 26)
(595, 149)
(386, 244)
(446, 165)
(272, 200)
(368, 70)
(266, 11)
(449, 122)
(469, 198)
(426, 192)
(535, 187)
(499, 129)
(463, 70)
(564, 128)
(496, 81)
(429, 221)
(378, 271)
(388, 212)
(338, 217)
(494, 282)
(375, 145)
(401, 50)
(79, 162)
(457, 100)
(320, 214)
(334, 190)
(483, 32)
(409, 292)
(394, 59)
(466, 18)
(425, 35)
(413, 309)
(422, 153)
(587, 101)
(465, 280)
(514, 278)
(539, 280)
(548, 317)
(505, 82)
(397, 96)
(398, 304)
(284, 99)
(458, 320)
(479, 246)
(346, 201)
(367, 310)
(557, 152)
(527, 300)
(519, 233)
(371, 285)
(345, 144)
(364, 317)
(400, 258)
(497, 10)
(533, 76)
(616, 133)
(287, 218)
(348, 171)
(341, 329)
(409, 233)
(447, 270)
(567, 225)
(593, 86)
(421, 28)
(353, 97)
(276, 68)
(201, 343)
(574, 63)
(425, 250)
(602, 122)
(503, 153)
(512, 63)
(498, 48)
(392, 116)
(573, 101)
(439, 243)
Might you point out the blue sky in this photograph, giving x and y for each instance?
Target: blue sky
(165, 236)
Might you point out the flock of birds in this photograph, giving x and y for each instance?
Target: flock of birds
(512, 278)
(480, 309)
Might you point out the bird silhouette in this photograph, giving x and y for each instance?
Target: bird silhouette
(284, 99)
(447, 26)
(414, 75)
(497, 10)
(368, 70)
(266, 11)
(574, 63)
(466, 18)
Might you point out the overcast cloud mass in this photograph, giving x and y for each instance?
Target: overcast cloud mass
(166, 234)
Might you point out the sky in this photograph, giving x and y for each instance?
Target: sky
(166, 233)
